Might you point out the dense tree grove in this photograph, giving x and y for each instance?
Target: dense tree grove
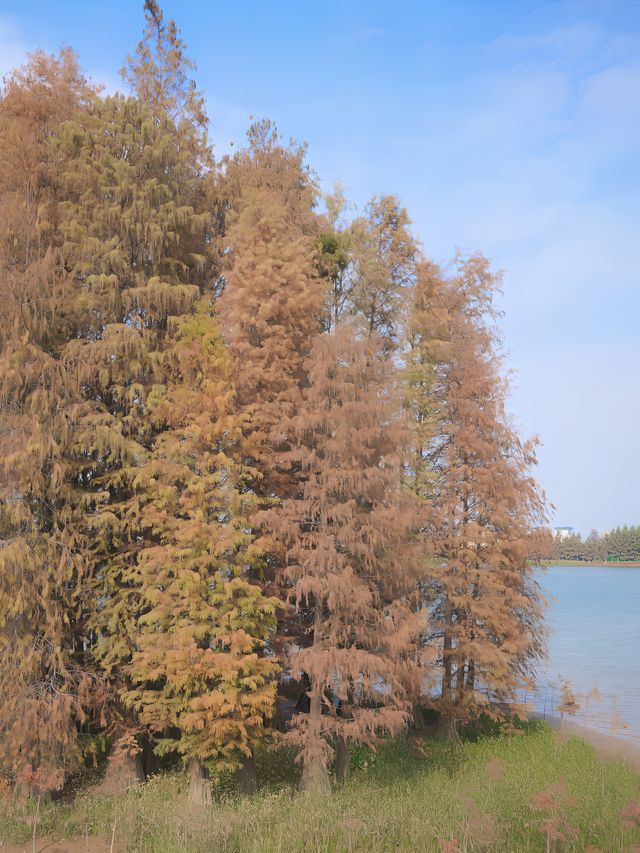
(245, 440)
(618, 545)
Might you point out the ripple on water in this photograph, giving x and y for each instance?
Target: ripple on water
(594, 617)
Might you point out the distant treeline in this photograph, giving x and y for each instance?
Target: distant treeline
(621, 544)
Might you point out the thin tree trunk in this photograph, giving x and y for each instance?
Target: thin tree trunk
(447, 645)
(248, 776)
(471, 676)
(447, 717)
(315, 776)
(199, 785)
(342, 760)
(35, 824)
(460, 668)
(471, 668)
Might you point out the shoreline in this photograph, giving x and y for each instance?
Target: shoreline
(628, 564)
(608, 746)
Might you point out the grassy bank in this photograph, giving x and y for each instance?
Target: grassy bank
(621, 564)
(502, 794)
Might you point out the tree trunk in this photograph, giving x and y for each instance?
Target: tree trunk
(199, 785)
(342, 760)
(248, 777)
(124, 768)
(471, 676)
(460, 667)
(315, 777)
(418, 718)
(471, 668)
(447, 723)
(150, 762)
(447, 645)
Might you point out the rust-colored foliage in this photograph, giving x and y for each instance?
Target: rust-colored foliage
(198, 666)
(130, 262)
(384, 254)
(630, 815)
(201, 405)
(271, 306)
(552, 802)
(113, 466)
(349, 538)
(480, 503)
(569, 703)
(273, 298)
(159, 71)
(45, 688)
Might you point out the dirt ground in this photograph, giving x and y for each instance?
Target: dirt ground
(73, 845)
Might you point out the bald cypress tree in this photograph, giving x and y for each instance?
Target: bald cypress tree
(384, 253)
(349, 535)
(154, 483)
(197, 668)
(46, 686)
(273, 297)
(271, 306)
(159, 72)
(428, 352)
(134, 254)
(482, 507)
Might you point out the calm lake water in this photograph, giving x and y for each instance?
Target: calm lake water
(594, 616)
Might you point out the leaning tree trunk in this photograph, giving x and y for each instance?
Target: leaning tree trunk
(199, 784)
(248, 777)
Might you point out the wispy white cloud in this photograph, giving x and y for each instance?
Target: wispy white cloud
(571, 41)
(368, 32)
(359, 35)
(13, 46)
(613, 94)
(532, 160)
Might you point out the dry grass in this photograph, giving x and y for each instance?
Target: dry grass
(499, 794)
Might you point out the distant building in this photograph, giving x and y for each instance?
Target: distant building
(562, 532)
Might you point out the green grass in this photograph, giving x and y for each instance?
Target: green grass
(478, 792)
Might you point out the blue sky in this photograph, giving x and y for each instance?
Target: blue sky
(509, 127)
